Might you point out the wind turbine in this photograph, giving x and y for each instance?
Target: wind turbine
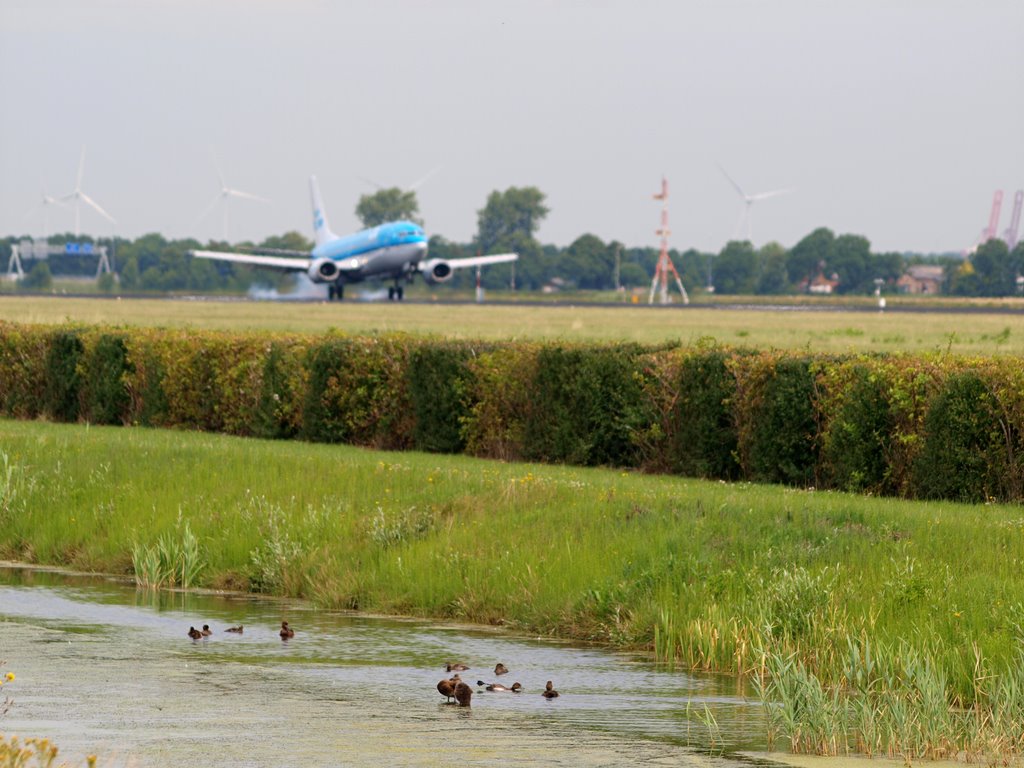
(222, 197)
(80, 197)
(748, 204)
(45, 201)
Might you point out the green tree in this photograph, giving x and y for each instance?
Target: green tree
(289, 241)
(736, 268)
(509, 219)
(105, 282)
(772, 278)
(391, 204)
(588, 264)
(130, 274)
(996, 274)
(850, 259)
(810, 255)
(38, 278)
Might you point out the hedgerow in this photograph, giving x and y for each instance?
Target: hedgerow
(929, 426)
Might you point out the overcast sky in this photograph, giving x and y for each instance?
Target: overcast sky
(892, 119)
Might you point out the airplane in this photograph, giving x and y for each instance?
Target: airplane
(395, 251)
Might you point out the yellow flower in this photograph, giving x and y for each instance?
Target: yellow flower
(9, 677)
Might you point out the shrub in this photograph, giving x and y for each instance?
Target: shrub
(855, 450)
(586, 406)
(438, 386)
(500, 396)
(282, 385)
(63, 381)
(964, 456)
(705, 437)
(105, 395)
(23, 352)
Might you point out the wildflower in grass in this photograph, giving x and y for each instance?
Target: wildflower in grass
(9, 677)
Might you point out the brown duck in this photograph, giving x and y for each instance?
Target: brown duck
(500, 669)
(447, 687)
(458, 666)
(549, 691)
(206, 630)
(237, 630)
(463, 693)
(194, 633)
(286, 631)
(499, 688)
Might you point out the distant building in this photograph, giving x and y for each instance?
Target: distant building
(922, 279)
(819, 284)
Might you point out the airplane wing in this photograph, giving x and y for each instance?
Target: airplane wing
(278, 262)
(482, 261)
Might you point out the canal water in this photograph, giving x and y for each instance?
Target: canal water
(102, 668)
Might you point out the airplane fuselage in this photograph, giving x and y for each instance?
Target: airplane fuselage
(389, 250)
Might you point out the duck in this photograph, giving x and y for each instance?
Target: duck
(499, 688)
(194, 633)
(286, 631)
(237, 630)
(206, 630)
(549, 691)
(446, 688)
(458, 666)
(463, 693)
(500, 669)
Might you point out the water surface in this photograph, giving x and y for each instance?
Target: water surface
(104, 668)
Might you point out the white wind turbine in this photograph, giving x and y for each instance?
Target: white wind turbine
(80, 197)
(45, 201)
(222, 197)
(748, 204)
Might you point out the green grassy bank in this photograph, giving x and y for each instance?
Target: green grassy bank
(704, 574)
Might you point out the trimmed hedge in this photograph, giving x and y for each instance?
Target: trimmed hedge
(929, 426)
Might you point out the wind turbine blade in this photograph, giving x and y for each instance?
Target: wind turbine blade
(68, 197)
(96, 207)
(736, 186)
(81, 168)
(216, 165)
(774, 193)
(412, 187)
(371, 182)
(246, 195)
(207, 209)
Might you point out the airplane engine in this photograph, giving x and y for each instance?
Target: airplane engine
(323, 271)
(436, 271)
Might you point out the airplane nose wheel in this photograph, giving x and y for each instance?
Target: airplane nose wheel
(396, 293)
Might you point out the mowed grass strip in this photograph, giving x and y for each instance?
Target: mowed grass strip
(817, 331)
(702, 573)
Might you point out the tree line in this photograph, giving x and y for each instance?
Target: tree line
(509, 221)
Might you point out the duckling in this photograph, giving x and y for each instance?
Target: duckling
(286, 631)
(463, 693)
(549, 691)
(499, 688)
(237, 630)
(194, 633)
(456, 667)
(206, 630)
(500, 669)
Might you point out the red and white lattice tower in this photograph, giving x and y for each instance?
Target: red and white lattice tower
(992, 230)
(1011, 233)
(665, 265)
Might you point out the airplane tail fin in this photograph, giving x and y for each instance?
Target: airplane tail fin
(321, 230)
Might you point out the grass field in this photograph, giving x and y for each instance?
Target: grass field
(967, 333)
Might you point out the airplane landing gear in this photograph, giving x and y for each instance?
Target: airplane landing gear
(395, 292)
(335, 291)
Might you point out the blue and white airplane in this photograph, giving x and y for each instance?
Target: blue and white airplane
(396, 251)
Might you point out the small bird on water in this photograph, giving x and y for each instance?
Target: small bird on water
(194, 633)
(447, 687)
(499, 688)
(549, 691)
(500, 669)
(286, 631)
(237, 630)
(206, 630)
(457, 666)
(463, 693)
